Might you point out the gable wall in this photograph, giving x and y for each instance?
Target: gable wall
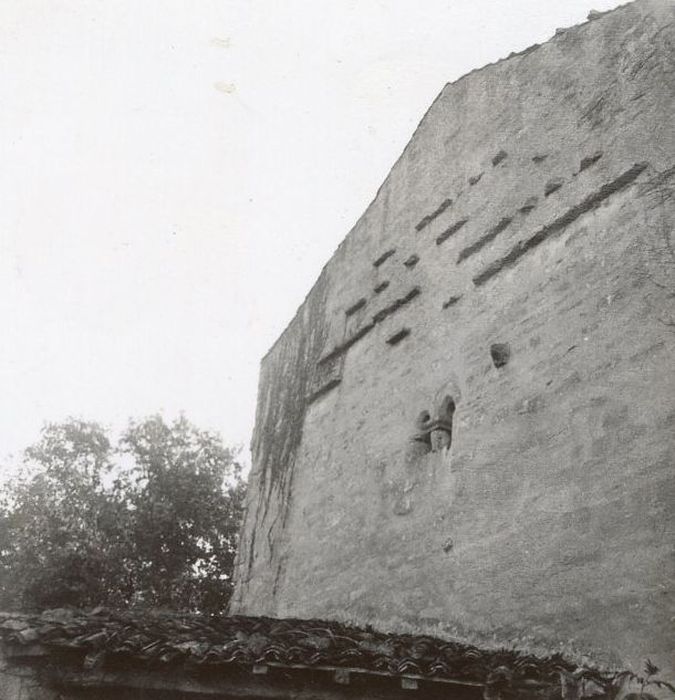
(548, 517)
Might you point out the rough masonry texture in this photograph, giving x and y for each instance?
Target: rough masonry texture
(537, 201)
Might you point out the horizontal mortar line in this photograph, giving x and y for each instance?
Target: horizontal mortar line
(377, 318)
(557, 225)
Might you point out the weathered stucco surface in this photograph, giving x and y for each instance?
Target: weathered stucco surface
(538, 195)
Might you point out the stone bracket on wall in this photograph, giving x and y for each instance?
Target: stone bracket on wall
(393, 307)
(558, 225)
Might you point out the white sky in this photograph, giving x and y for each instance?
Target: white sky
(175, 173)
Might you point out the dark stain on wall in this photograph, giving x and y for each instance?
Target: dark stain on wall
(287, 375)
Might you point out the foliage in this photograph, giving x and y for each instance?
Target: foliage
(152, 521)
(625, 678)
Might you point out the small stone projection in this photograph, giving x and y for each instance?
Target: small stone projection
(355, 307)
(324, 389)
(552, 186)
(484, 240)
(399, 336)
(437, 212)
(343, 347)
(412, 261)
(451, 301)
(368, 326)
(384, 257)
(529, 204)
(589, 160)
(570, 216)
(500, 354)
(396, 305)
(499, 158)
(450, 231)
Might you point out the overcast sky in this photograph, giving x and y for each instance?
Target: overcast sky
(175, 173)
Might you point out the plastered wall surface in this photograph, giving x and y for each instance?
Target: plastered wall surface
(533, 209)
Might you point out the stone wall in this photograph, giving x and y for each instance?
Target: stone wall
(518, 259)
(23, 682)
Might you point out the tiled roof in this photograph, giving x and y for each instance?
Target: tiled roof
(155, 640)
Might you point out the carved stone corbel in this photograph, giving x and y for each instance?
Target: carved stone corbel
(435, 428)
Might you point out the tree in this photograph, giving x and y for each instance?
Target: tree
(185, 515)
(152, 521)
(54, 543)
